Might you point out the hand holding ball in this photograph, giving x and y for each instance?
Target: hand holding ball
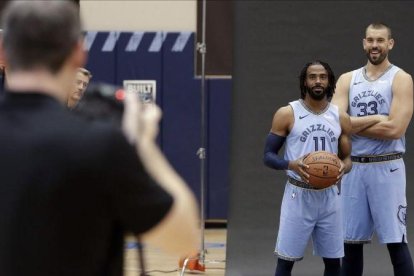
(323, 168)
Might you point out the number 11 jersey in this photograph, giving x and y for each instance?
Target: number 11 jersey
(312, 132)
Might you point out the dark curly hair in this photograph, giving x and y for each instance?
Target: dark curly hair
(331, 79)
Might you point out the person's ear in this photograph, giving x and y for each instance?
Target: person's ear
(390, 44)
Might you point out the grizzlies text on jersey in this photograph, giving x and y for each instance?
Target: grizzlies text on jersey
(312, 132)
(368, 97)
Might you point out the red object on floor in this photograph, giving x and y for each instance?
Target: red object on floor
(192, 264)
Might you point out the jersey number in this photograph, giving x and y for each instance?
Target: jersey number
(367, 109)
(322, 141)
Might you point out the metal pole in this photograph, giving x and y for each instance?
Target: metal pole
(202, 151)
(202, 154)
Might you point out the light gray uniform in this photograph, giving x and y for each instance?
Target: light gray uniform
(373, 192)
(307, 213)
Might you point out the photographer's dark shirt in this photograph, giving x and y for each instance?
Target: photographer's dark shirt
(69, 191)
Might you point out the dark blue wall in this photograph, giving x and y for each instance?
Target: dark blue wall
(168, 58)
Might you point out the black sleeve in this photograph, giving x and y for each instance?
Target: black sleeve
(137, 201)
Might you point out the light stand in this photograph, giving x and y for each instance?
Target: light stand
(198, 263)
(202, 154)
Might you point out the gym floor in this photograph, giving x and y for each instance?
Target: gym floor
(158, 262)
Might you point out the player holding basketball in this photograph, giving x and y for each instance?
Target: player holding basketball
(309, 124)
(379, 98)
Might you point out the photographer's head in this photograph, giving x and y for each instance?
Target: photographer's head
(43, 37)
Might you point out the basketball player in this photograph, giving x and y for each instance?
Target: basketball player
(70, 189)
(83, 77)
(309, 124)
(379, 98)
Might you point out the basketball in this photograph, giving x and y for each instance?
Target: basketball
(323, 168)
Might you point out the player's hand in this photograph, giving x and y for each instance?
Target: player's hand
(341, 171)
(139, 123)
(300, 168)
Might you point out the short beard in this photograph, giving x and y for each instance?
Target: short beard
(378, 61)
(316, 97)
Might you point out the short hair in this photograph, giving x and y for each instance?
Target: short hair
(40, 34)
(331, 79)
(85, 71)
(378, 26)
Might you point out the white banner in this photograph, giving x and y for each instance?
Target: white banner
(146, 89)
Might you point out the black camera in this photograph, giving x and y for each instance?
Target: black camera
(102, 102)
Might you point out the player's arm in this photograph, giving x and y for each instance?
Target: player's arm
(276, 138)
(282, 123)
(341, 96)
(341, 99)
(344, 143)
(359, 124)
(401, 111)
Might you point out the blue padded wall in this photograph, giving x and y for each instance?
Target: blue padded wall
(102, 63)
(181, 106)
(168, 58)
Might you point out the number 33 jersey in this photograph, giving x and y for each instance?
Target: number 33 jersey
(312, 132)
(371, 97)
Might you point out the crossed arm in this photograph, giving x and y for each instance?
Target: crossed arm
(388, 127)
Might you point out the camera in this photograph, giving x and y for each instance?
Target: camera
(102, 102)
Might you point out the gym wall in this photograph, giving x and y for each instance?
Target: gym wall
(155, 40)
(118, 15)
(273, 40)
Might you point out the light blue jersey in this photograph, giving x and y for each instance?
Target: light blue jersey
(310, 214)
(367, 97)
(373, 192)
(312, 132)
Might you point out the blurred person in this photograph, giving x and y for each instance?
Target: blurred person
(2, 69)
(83, 77)
(71, 189)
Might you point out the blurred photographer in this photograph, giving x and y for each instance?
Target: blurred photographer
(70, 189)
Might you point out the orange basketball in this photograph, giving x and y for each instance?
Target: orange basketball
(323, 168)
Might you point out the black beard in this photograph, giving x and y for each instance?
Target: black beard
(315, 96)
(380, 59)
